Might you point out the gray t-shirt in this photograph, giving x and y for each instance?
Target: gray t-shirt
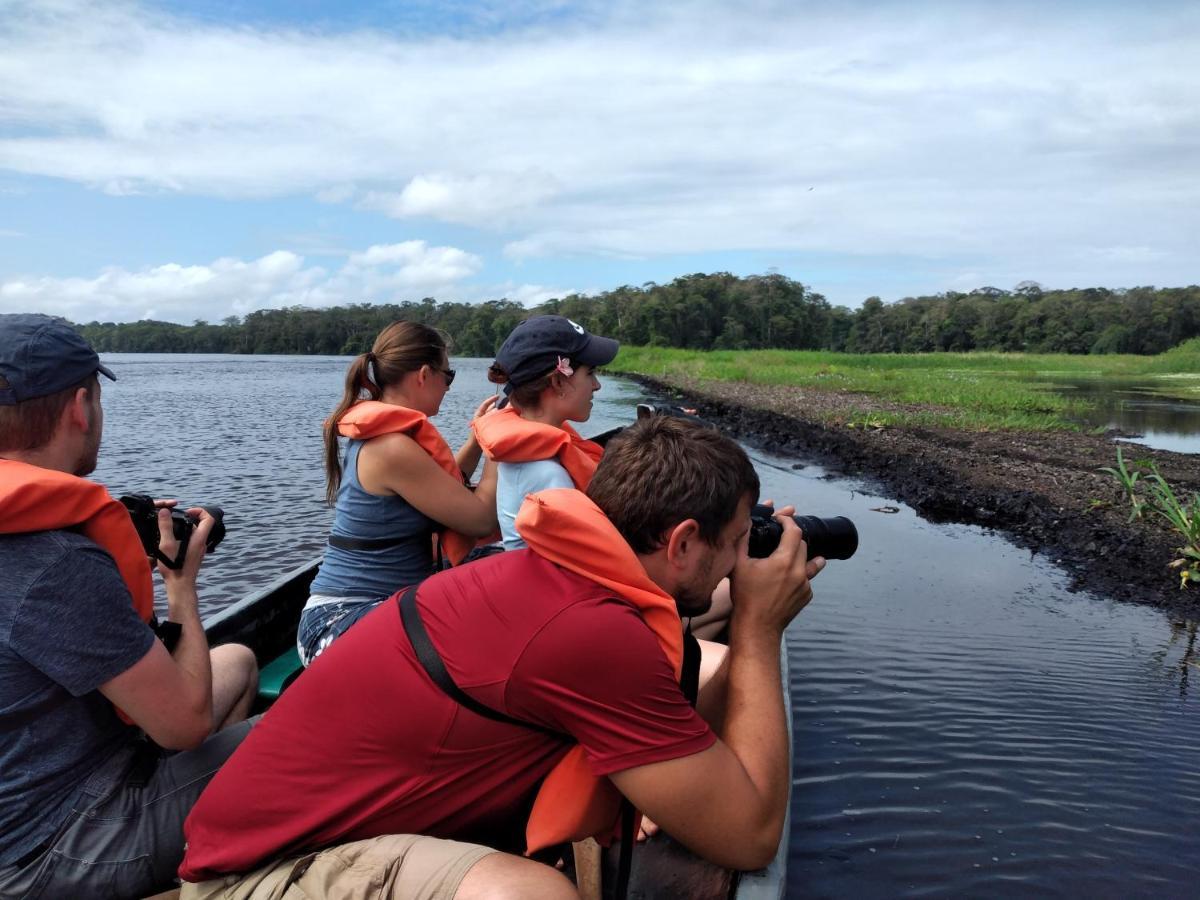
(514, 481)
(67, 626)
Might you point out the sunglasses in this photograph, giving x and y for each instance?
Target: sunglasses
(449, 375)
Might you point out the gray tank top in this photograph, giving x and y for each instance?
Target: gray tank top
(360, 515)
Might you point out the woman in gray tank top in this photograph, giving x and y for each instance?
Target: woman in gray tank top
(390, 495)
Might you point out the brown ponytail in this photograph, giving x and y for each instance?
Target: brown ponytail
(401, 348)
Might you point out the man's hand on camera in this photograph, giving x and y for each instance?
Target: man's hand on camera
(169, 546)
(768, 593)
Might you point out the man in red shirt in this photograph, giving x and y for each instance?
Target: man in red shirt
(367, 779)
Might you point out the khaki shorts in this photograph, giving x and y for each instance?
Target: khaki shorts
(394, 865)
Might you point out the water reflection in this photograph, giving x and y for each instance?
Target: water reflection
(1181, 644)
(1160, 411)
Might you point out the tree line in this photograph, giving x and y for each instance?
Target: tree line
(719, 311)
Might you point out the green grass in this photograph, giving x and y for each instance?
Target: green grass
(970, 391)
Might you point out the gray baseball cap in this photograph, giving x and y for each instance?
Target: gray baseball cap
(41, 355)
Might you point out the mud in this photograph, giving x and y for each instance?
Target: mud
(1041, 490)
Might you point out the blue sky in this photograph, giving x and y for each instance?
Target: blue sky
(184, 160)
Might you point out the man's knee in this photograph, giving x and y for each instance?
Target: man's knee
(501, 876)
(235, 663)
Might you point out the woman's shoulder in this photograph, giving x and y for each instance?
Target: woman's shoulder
(393, 444)
(382, 457)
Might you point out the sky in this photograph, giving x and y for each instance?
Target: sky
(197, 160)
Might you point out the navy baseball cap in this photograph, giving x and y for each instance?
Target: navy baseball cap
(40, 355)
(535, 345)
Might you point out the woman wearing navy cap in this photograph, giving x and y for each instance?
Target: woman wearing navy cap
(547, 366)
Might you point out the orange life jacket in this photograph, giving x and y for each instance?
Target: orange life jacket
(506, 437)
(371, 418)
(37, 499)
(566, 528)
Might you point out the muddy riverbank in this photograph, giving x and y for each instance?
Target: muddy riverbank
(1042, 489)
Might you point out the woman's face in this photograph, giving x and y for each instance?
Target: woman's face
(437, 385)
(577, 393)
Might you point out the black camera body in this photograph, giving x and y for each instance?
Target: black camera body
(832, 538)
(144, 515)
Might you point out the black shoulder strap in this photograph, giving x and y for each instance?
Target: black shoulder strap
(431, 662)
(689, 676)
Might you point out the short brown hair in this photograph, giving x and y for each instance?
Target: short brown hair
(662, 470)
(31, 423)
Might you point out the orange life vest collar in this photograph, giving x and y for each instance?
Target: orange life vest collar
(371, 418)
(566, 528)
(507, 437)
(37, 499)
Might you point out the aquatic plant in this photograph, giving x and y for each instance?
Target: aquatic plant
(1128, 478)
(1183, 516)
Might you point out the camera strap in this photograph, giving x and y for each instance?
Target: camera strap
(177, 562)
(431, 662)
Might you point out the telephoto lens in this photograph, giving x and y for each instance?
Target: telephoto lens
(832, 538)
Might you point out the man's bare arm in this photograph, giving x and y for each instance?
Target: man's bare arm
(728, 803)
(169, 696)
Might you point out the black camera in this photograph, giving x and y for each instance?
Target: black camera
(833, 538)
(144, 514)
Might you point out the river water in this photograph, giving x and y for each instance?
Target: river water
(965, 725)
(1162, 412)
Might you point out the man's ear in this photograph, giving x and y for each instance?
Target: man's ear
(682, 543)
(78, 413)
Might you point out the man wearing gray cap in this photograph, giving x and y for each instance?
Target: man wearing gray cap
(91, 804)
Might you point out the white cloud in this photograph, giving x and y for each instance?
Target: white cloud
(526, 294)
(383, 273)
(1008, 137)
(487, 199)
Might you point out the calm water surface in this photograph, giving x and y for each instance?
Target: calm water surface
(965, 726)
(1150, 408)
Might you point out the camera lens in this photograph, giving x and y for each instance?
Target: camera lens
(832, 538)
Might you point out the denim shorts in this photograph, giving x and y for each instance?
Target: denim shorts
(325, 619)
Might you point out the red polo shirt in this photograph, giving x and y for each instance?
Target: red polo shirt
(364, 744)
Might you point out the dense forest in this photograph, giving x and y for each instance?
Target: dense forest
(721, 311)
